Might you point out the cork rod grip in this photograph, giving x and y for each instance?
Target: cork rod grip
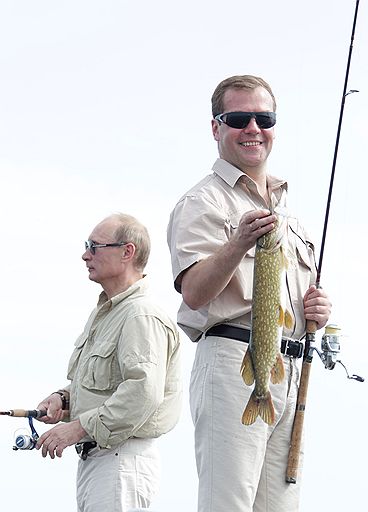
(297, 432)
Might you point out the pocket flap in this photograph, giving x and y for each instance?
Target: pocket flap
(81, 340)
(303, 253)
(103, 349)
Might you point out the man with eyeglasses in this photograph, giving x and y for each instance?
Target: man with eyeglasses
(125, 388)
(211, 235)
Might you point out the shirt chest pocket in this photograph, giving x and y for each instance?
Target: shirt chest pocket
(101, 369)
(303, 254)
(76, 355)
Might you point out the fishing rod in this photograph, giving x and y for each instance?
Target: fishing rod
(23, 413)
(25, 441)
(311, 326)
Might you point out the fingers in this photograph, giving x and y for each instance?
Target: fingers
(317, 306)
(53, 406)
(316, 296)
(254, 224)
(256, 219)
(51, 444)
(54, 441)
(54, 416)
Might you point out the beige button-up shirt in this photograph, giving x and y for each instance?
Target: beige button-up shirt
(125, 370)
(203, 220)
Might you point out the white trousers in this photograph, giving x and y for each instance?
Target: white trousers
(120, 479)
(240, 468)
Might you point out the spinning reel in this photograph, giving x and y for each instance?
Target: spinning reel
(330, 349)
(26, 441)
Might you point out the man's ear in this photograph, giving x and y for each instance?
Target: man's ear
(128, 252)
(215, 129)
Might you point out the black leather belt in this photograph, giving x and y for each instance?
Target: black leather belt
(288, 347)
(83, 448)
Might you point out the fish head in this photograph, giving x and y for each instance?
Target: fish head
(276, 238)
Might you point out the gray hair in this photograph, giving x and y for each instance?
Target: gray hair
(131, 230)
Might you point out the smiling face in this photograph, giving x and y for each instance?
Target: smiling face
(247, 148)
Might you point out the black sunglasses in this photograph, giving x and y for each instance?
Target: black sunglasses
(91, 245)
(241, 120)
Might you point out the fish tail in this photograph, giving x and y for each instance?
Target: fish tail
(266, 409)
(262, 407)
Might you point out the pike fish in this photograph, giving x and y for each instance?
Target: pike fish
(263, 361)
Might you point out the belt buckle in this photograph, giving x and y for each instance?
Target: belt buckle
(293, 348)
(301, 349)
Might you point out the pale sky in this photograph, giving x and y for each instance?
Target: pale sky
(105, 106)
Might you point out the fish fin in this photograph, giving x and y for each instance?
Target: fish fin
(281, 316)
(278, 370)
(251, 411)
(285, 318)
(284, 259)
(246, 369)
(262, 407)
(288, 320)
(266, 409)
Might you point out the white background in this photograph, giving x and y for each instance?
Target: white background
(105, 106)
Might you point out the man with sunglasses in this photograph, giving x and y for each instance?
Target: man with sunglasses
(125, 385)
(211, 235)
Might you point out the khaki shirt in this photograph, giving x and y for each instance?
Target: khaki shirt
(125, 370)
(203, 220)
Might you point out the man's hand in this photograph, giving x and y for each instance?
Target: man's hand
(317, 306)
(253, 225)
(55, 440)
(53, 407)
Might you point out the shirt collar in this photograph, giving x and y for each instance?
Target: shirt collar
(231, 174)
(138, 287)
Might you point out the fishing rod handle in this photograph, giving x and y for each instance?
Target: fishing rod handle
(297, 432)
(311, 326)
(23, 413)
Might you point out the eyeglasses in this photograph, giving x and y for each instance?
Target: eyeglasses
(91, 245)
(241, 120)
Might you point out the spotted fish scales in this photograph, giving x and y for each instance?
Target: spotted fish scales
(263, 361)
